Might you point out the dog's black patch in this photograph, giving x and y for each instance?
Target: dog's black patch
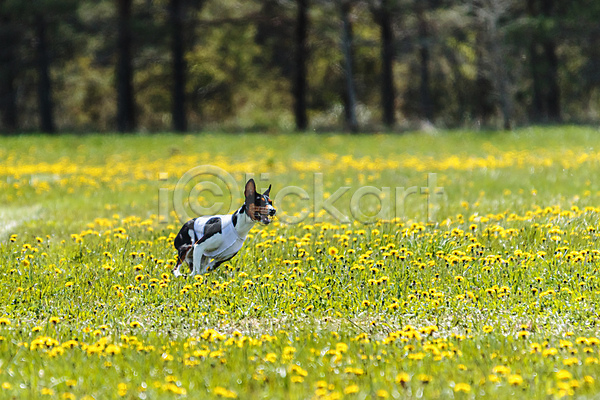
(183, 237)
(212, 227)
(234, 217)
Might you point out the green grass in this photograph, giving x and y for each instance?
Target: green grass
(494, 295)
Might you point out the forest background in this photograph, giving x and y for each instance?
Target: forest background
(285, 65)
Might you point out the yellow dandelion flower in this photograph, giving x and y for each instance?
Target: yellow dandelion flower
(582, 340)
(297, 379)
(462, 387)
(593, 341)
(523, 334)
(416, 356)
(574, 383)
(298, 370)
(351, 389)
(563, 375)
(222, 392)
(571, 361)
(591, 360)
(332, 251)
(501, 370)
(549, 352)
(321, 384)
(402, 378)
(112, 349)
(515, 380)
(122, 389)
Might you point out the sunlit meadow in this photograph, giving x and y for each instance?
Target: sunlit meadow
(490, 291)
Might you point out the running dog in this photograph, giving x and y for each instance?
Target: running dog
(204, 243)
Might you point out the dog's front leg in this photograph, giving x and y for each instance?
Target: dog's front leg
(199, 259)
(184, 256)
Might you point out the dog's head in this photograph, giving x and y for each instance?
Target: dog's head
(259, 207)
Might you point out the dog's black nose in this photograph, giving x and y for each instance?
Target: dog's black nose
(272, 212)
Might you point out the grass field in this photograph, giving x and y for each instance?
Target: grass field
(485, 285)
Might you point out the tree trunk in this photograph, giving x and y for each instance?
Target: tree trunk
(8, 94)
(544, 65)
(350, 95)
(483, 103)
(8, 97)
(44, 82)
(505, 103)
(551, 60)
(537, 103)
(489, 13)
(425, 91)
(388, 90)
(125, 102)
(553, 94)
(501, 80)
(300, 84)
(179, 66)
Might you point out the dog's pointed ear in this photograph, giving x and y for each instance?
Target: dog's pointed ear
(266, 193)
(250, 191)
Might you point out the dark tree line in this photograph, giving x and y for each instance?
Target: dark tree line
(131, 65)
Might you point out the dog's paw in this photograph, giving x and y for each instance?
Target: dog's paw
(176, 273)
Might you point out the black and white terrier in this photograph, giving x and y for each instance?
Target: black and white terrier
(204, 243)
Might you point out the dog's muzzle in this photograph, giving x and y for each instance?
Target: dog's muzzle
(267, 218)
(263, 215)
